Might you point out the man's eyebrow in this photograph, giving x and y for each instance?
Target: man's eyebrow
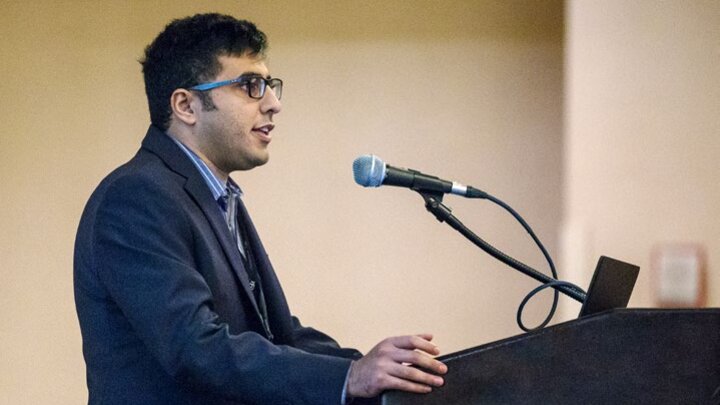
(250, 73)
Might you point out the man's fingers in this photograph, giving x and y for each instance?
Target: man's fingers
(419, 359)
(415, 375)
(395, 383)
(414, 342)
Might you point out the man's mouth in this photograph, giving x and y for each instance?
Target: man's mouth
(265, 130)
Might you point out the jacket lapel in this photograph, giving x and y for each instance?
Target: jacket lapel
(277, 308)
(159, 143)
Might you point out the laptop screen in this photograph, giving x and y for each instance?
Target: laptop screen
(611, 286)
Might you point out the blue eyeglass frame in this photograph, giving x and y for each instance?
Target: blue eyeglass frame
(274, 81)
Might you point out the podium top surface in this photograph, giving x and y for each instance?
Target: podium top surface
(624, 315)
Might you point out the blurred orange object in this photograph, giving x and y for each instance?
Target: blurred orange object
(679, 275)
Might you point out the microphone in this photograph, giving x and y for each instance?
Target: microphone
(371, 171)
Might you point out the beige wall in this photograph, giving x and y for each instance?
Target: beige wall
(642, 146)
(464, 89)
(467, 90)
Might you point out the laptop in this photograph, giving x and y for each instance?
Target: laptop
(611, 286)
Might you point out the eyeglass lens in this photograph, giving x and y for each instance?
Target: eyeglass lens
(257, 85)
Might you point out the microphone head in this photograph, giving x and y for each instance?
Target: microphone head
(369, 171)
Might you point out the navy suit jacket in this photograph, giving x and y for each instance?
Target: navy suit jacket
(165, 310)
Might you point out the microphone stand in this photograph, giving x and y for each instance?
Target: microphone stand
(433, 203)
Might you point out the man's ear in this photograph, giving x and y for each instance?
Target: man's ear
(181, 103)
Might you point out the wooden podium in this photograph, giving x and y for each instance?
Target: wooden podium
(623, 356)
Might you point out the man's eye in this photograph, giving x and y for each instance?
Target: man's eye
(252, 85)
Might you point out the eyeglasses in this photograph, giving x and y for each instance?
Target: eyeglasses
(255, 85)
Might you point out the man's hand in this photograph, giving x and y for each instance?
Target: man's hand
(387, 367)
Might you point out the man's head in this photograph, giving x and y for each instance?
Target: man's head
(186, 53)
(202, 76)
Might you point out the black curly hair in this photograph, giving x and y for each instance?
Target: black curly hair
(186, 53)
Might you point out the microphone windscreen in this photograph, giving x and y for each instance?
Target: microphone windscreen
(369, 171)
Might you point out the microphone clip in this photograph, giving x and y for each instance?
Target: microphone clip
(434, 204)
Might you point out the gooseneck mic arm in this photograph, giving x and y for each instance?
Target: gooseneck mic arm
(433, 203)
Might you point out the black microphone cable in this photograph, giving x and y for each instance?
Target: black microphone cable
(550, 262)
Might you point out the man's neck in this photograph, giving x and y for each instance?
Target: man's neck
(188, 142)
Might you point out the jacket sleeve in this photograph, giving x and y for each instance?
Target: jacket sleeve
(142, 250)
(314, 341)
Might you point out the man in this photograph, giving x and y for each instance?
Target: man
(177, 300)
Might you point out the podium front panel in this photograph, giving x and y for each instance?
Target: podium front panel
(628, 356)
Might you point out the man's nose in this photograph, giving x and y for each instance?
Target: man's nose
(270, 103)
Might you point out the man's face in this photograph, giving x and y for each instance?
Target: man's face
(235, 135)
